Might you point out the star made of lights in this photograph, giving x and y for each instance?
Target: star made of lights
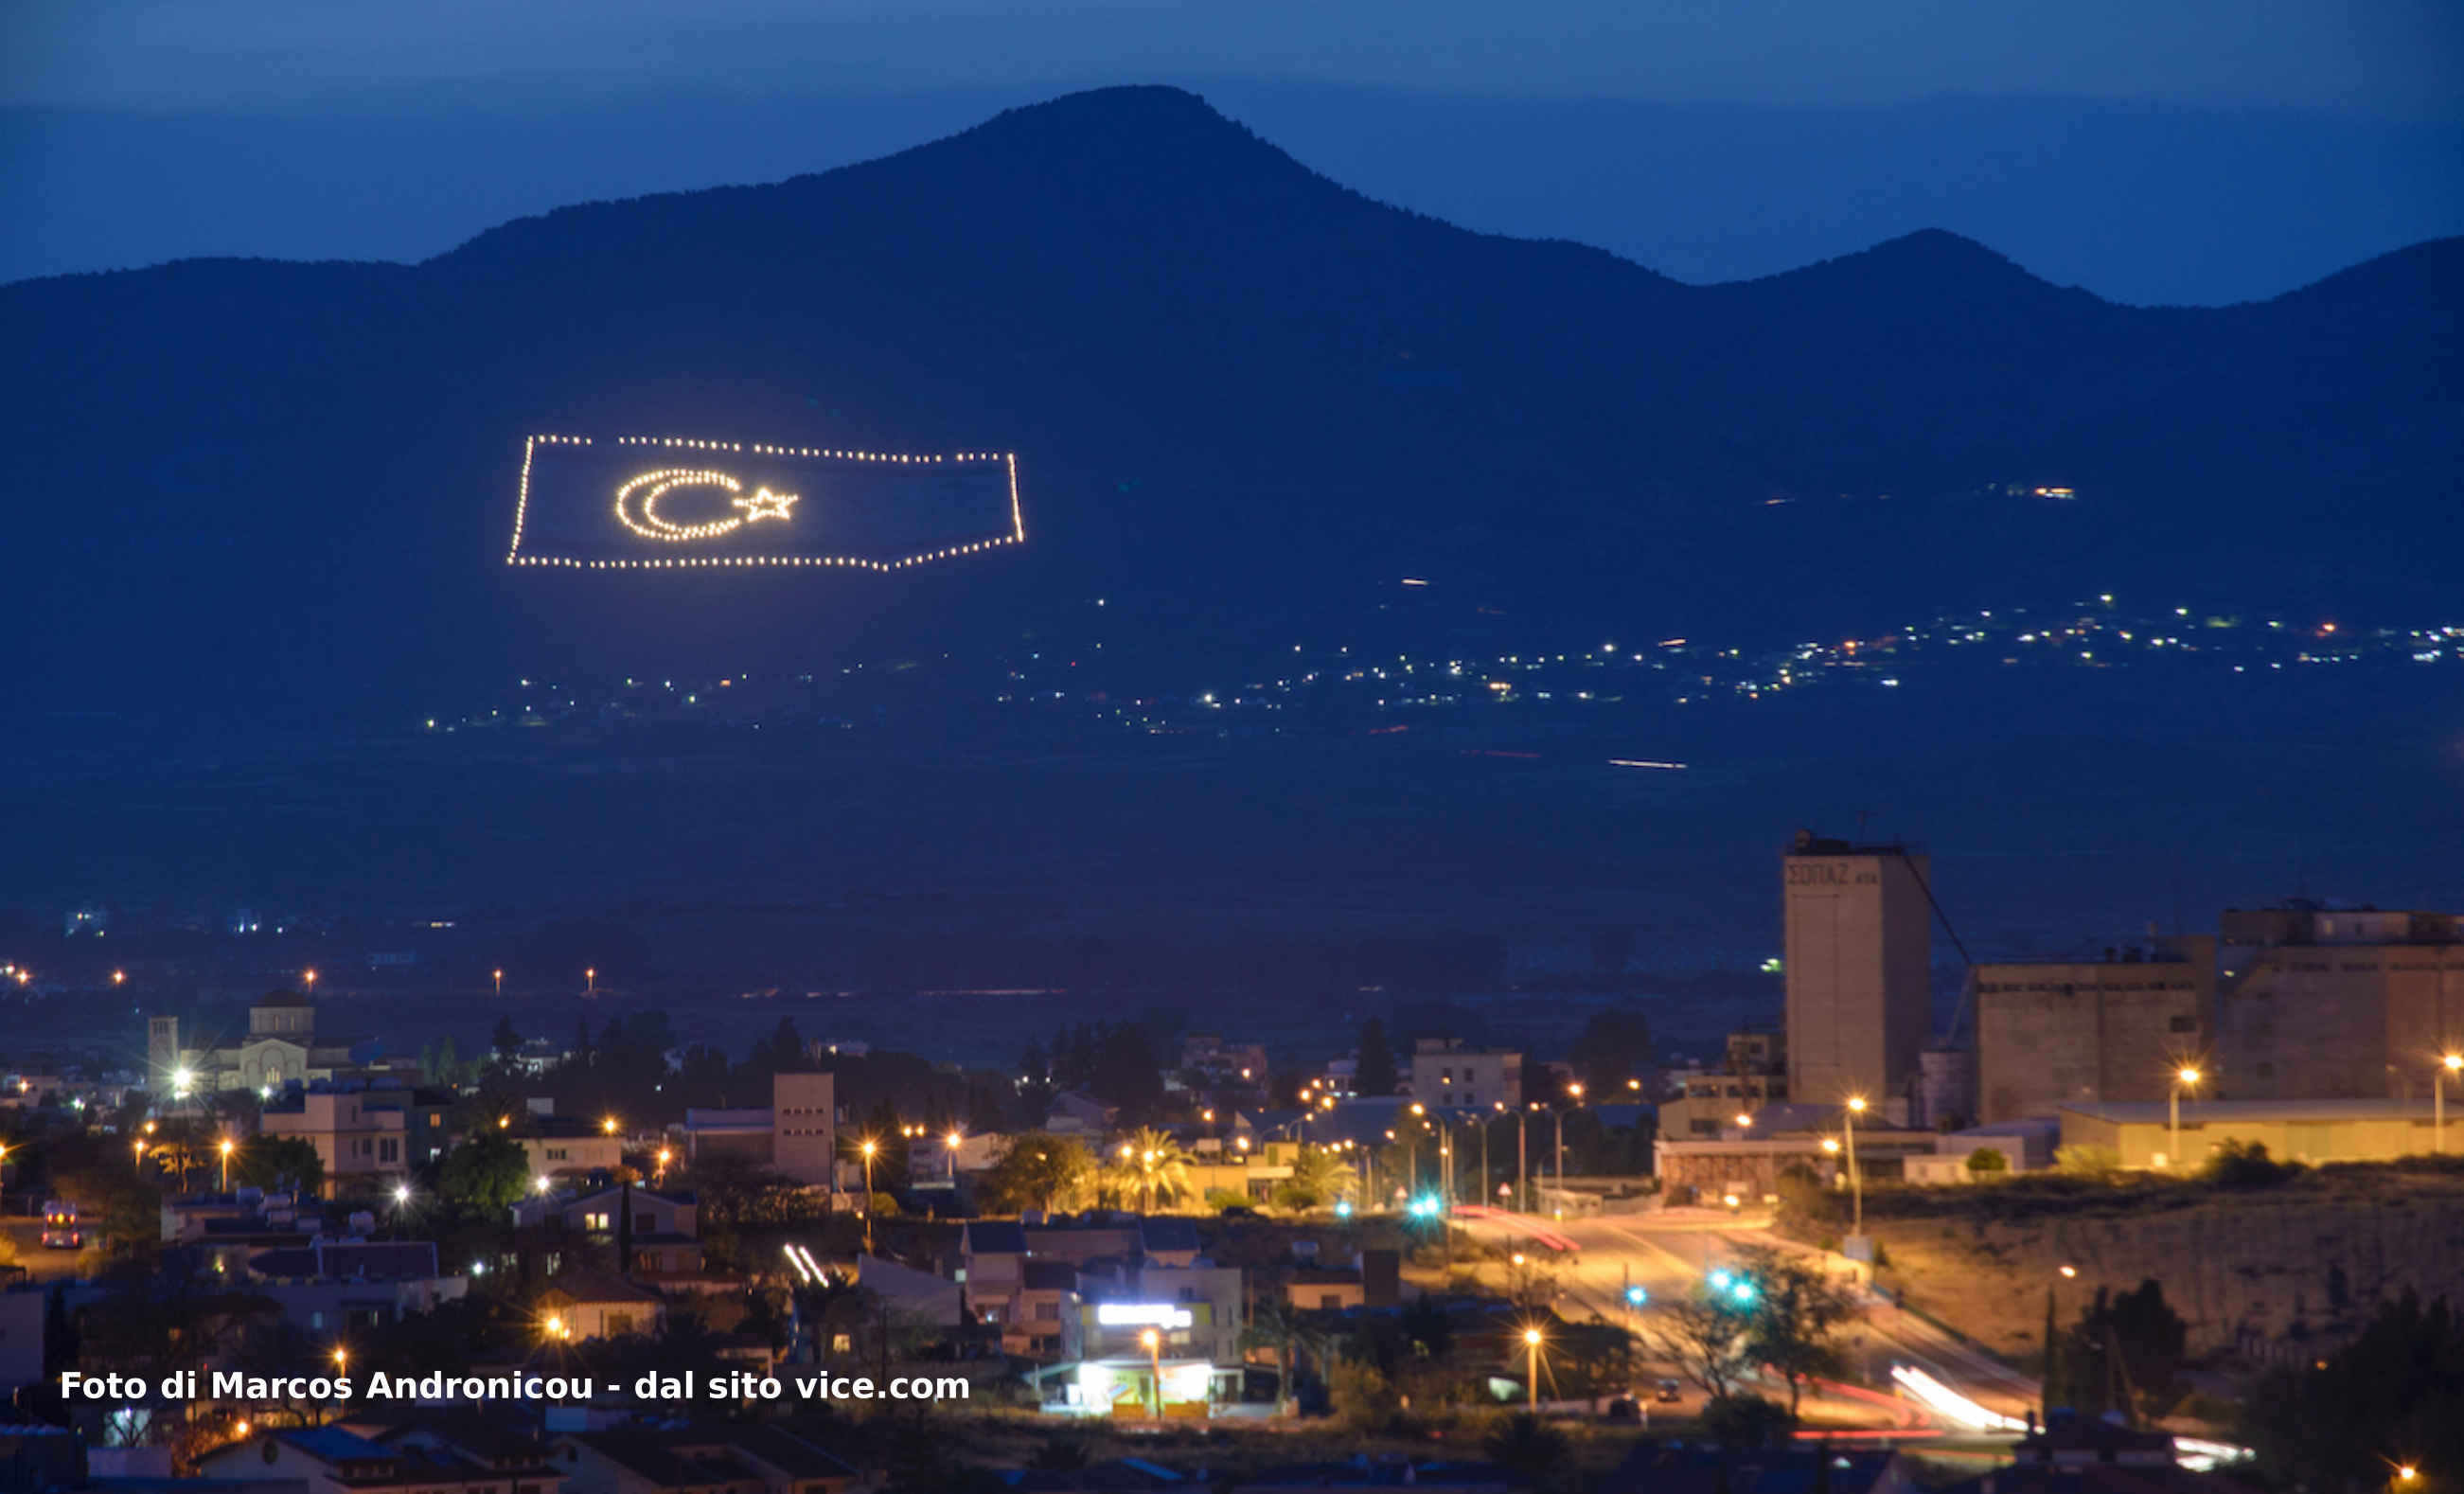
(637, 504)
(766, 504)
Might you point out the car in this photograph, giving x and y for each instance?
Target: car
(60, 1228)
(1669, 1393)
(1625, 1408)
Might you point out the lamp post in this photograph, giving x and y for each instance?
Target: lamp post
(2184, 1078)
(1531, 1368)
(1855, 1179)
(870, 1147)
(954, 1140)
(1153, 1339)
(1522, 1162)
(500, 982)
(590, 982)
(2453, 1063)
(227, 1151)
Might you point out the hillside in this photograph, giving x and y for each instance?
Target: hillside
(1242, 397)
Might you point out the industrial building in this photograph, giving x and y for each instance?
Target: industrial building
(2317, 1002)
(1857, 961)
(2292, 1130)
(2051, 1033)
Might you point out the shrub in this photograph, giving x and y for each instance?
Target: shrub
(1746, 1420)
(2097, 1163)
(1526, 1443)
(1986, 1159)
(2246, 1164)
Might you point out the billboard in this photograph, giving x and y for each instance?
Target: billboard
(662, 502)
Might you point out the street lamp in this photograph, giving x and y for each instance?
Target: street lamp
(500, 982)
(1531, 1367)
(1154, 1342)
(227, 1151)
(1855, 1179)
(661, 1176)
(870, 1147)
(2184, 1078)
(590, 982)
(2453, 1063)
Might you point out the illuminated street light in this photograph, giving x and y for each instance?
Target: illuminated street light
(1855, 1179)
(2451, 1064)
(2185, 1078)
(227, 1153)
(1154, 1342)
(500, 982)
(590, 979)
(1531, 1367)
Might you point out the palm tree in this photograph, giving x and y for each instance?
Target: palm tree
(1277, 1325)
(1157, 1162)
(1322, 1173)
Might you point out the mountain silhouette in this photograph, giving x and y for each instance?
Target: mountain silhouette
(1242, 399)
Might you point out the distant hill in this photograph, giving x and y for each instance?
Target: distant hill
(1242, 395)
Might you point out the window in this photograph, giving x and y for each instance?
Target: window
(388, 1150)
(316, 1320)
(595, 1221)
(556, 1153)
(1047, 1313)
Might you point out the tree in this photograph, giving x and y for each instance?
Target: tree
(1037, 1171)
(1611, 1044)
(1283, 1328)
(1795, 1306)
(1320, 1175)
(264, 1162)
(490, 1171)
(2124, 1354)
(1377, 1074)
(2390, 1393)
(1155, 1163)
(1704, 1336)
(1985, 1161)
(507, 1042)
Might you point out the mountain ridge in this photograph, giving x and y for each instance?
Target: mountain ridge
(1235, 384)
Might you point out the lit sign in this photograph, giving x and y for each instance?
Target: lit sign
(641, 502)
(1137, 1314)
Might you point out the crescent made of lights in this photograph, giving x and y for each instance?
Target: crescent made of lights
(637, 504)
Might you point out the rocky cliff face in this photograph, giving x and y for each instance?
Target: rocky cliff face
(2311, 1256)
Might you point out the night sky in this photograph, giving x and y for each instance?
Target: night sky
(2197, 153)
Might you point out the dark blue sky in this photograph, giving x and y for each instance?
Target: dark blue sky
(2204, 151)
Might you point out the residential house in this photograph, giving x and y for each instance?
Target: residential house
(1074, 1112)
(582, 1305)
(327, 1286)
(332, 1461)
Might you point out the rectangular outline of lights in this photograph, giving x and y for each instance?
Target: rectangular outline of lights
(532, 444)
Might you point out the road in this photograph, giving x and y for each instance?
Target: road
(1666, 1253)
(41, 1265)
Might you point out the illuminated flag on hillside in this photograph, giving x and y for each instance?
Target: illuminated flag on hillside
(639, 502)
